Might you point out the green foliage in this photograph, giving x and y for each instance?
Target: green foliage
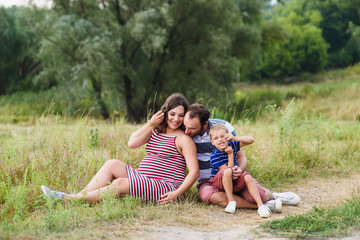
(94, 136)
(65, 154)
(27, 106)
(133, 50)
(297, 144)
(18, 46)
(246, 105)
(336, 22)
(12, 42)
(340, 19)
(299, 47)
(319, 222)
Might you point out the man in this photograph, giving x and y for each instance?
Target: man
(197, 124)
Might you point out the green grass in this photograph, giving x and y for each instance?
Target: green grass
(319, 222)
(315, 134)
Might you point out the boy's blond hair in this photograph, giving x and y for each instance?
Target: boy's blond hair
(218, 126)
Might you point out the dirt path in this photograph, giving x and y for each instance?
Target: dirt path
(317, 192)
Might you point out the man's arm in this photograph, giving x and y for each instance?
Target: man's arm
(241, 160)
(241, 165)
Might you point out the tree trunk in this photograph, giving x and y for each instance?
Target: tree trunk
(132, 116)
(97, 89)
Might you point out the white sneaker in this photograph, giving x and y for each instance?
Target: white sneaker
(274, 205)
(231, 207)
(53, 194)
(288, 198)
(264, 211)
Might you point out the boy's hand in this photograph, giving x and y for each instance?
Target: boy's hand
(236, 172)
(229, 150)
(229, 137)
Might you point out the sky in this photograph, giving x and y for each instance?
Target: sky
(40, 3)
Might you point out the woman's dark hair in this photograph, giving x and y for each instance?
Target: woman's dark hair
(174, 100)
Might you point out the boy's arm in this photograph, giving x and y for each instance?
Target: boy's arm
(215, 161)
(244, 140)
(230, 154)
(222, 166)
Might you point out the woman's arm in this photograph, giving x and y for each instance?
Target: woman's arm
(142, 136)
(187, 148)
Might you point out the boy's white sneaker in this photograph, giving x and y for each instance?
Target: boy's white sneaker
(231, 207)
(264, 211)
(288, 198)
(274, 205)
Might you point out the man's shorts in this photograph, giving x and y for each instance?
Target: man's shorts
(205, 190)
(238, 184)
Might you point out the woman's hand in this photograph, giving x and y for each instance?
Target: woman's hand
(157, 118)
(168, 197)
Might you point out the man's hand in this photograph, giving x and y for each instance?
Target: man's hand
(236, 172)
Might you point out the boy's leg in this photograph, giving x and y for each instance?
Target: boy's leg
(228, 187)
(239, 183)
(263, 210)
(253, 190)
(212, 195)
(228, 184)
(265, 193)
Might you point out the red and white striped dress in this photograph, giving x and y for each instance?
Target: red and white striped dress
(162, 170)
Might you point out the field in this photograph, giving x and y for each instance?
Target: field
(313, 134)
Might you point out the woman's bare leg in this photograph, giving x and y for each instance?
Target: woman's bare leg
(118, 187)
(112, 169)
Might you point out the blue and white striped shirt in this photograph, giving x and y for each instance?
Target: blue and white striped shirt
(219, 158)
(204, 149)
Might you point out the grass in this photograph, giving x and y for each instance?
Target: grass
(315, 134)
(319, 222)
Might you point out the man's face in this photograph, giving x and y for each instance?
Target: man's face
(192, 125)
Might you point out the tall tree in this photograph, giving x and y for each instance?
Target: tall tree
(12, 42)
(145, 48)
(300, 46)
(339, 18)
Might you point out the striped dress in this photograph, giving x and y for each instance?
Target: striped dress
(162, 170)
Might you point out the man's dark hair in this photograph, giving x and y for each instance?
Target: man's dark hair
(200, 111)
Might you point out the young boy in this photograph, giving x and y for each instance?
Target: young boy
(223, 159)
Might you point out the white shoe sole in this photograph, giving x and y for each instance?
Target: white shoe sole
(294, 200)
(264, 215)
(229, 210)
(43, 189)
(278, 206)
